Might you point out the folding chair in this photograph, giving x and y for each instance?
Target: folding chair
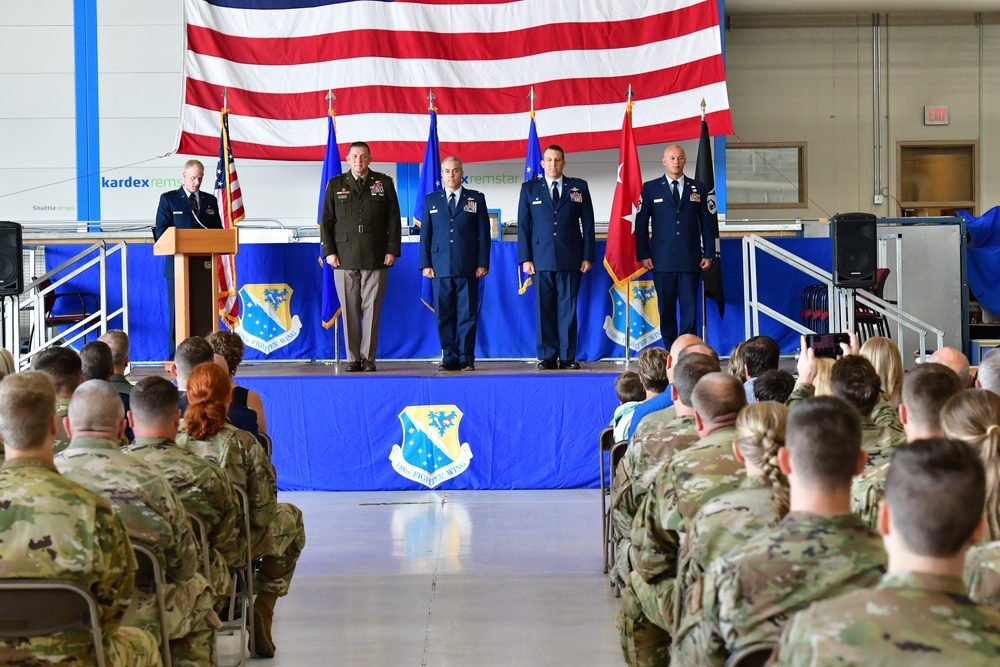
(265, 441)
(754, 655)
(41, 607)
(617, 454)
(242, 587)
(149, 578)
(606, 441)
(201, 537)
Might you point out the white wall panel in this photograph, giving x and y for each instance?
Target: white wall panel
(36, 49)
(37, 194)
(140, 48)
(37, 95)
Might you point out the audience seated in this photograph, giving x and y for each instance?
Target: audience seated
(853, 379)
(885, 358)
(988, 373)
(761, 500)
(652, 364)
(277, 534)
(117, 340)
(645, 458)
(657, 416)
(819, 550)
(926, 389)
(153, 515)
(630, 393)
(956, 361)
(760, 353)
(97, 363)
(64, 368)
(919, 613)
(972, 417)
(735, 366)
(773, 385)
(693, 476)
(231, 347)
(202, 486)
(83, 539)
(192, 352)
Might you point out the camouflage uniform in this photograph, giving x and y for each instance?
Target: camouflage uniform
(645, 457)
(205, 491)
(62, 439)
(649, 424)
(693, 476)
(52, 528)
(881, 431)
(867, 489)
(724, 522)
(153, 516)
(982, 574)
(748, 594)
(277, 534)
(910, 619)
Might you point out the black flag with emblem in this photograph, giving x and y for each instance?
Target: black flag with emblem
(705, 173)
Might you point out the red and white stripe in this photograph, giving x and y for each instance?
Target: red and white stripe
(481, 61)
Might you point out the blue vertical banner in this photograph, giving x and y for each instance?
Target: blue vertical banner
(330, 307)
(532, 169)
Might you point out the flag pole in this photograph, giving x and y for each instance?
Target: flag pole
(628, 283)
(704, 301)
(330, 97)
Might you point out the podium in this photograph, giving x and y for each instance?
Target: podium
(196, 286)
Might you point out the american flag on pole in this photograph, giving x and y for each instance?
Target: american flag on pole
(481, 58)
(227, 191)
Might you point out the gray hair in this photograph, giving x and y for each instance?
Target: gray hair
(452, 158)
(989, 371)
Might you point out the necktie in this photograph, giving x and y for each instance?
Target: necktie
(193, 198)
(555, 192)
(451, 204)
(677, 196)
(359, 184)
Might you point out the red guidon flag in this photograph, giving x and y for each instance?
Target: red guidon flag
(227, 191)
(619, 258)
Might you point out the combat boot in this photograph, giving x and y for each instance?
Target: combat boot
(263, 615)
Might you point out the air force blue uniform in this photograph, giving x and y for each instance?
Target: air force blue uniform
(557, 238)
(175, 210)
(455, 245)
(681, 238)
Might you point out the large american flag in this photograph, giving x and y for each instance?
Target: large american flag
(230, 196)
(278, 59)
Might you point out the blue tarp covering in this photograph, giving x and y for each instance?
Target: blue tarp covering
(984, 257)
(507, 320)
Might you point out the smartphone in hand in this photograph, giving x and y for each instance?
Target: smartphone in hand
(827, 345)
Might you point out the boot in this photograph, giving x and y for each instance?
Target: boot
(263, 615)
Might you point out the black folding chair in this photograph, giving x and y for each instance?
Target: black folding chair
(149, 579)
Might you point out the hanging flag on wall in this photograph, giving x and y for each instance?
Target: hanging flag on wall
(330, 309)
(227, 191)
(481, 58)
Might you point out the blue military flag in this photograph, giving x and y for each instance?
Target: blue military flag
(330, 308)
(428, 182)
(532, 169)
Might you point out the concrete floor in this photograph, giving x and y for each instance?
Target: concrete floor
(447, 578)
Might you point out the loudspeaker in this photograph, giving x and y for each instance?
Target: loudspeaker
(11, 260)
(855, 256)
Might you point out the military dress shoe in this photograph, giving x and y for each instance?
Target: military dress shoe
(353, 366)
(468, 366)
(546, 364)
(448, 366)
(368, 365)
(569, 365)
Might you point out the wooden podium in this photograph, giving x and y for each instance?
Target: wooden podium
(196, 286)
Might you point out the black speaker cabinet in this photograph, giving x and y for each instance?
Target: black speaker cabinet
(855, 256)
(11, 262)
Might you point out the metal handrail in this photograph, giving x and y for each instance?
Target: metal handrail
(841, 299)
(33, 299)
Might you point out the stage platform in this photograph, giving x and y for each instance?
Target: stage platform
(409, 426)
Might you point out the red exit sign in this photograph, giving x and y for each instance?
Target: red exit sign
(935, 115)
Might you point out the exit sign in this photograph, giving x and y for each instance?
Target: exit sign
(935, 115)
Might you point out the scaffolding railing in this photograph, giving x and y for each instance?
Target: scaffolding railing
(32, 302)
(842, 301)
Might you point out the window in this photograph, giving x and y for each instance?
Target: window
(766, 175)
